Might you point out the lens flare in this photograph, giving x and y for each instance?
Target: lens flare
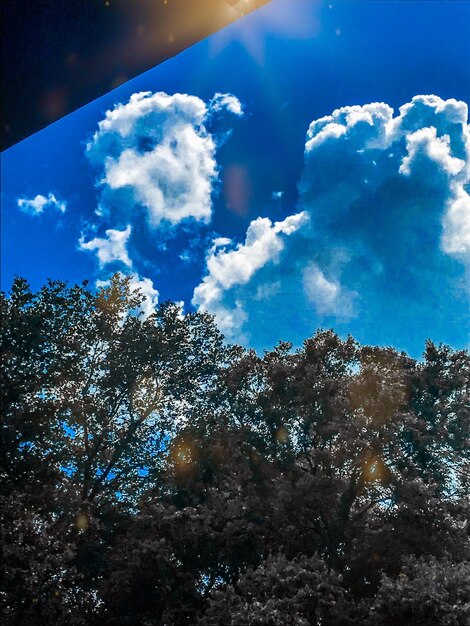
(237, 189)
(282, 435)
(278, 20)
(183, 455)
(82, 521)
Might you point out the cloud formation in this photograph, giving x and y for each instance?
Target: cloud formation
(111, 248)
(222, 102)
(326, 295)
(145, 286)
(156, 152)
(37, 205)
(360, 150)
(388, 234)
(229, 270)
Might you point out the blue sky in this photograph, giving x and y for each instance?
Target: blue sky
(224, 202)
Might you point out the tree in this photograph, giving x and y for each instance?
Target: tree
(152, 474)
(300, 592)
(426, 592)
(91, 392)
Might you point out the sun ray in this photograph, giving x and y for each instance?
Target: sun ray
(276, 19)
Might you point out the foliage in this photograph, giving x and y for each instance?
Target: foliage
(153, 475)
(300, 592)
(428, 592)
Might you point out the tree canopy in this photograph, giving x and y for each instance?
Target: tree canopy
(152, 474)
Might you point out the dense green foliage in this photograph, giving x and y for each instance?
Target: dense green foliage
(152, 475)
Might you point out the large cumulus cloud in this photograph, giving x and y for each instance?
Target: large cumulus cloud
(384, 251)
(392, 191)
(155, 152)
(156, 161)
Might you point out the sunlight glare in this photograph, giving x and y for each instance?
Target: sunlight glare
(276, 19)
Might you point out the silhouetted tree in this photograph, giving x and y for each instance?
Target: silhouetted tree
(153, 475)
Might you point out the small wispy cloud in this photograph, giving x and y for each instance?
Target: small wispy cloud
(38, 204)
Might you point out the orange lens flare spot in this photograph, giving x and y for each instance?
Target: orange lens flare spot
(282, 435)
(237, 189)
(82, 521)
(183, 455)
(374, 469)
(53, 105)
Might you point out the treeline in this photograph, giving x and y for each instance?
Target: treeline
(152, 475)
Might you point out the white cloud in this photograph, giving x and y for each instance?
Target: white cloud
(322, 292)
(155, 151)
(220, 242)
(263, 243)
(266, 291)
(151, 295)
(429, 142)
(36, 205)
(145, 287)
(226, 102)
(425, 145)
(389, 227)
(426, 111)
(231, 268)
(456, 236)
(111, 248)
